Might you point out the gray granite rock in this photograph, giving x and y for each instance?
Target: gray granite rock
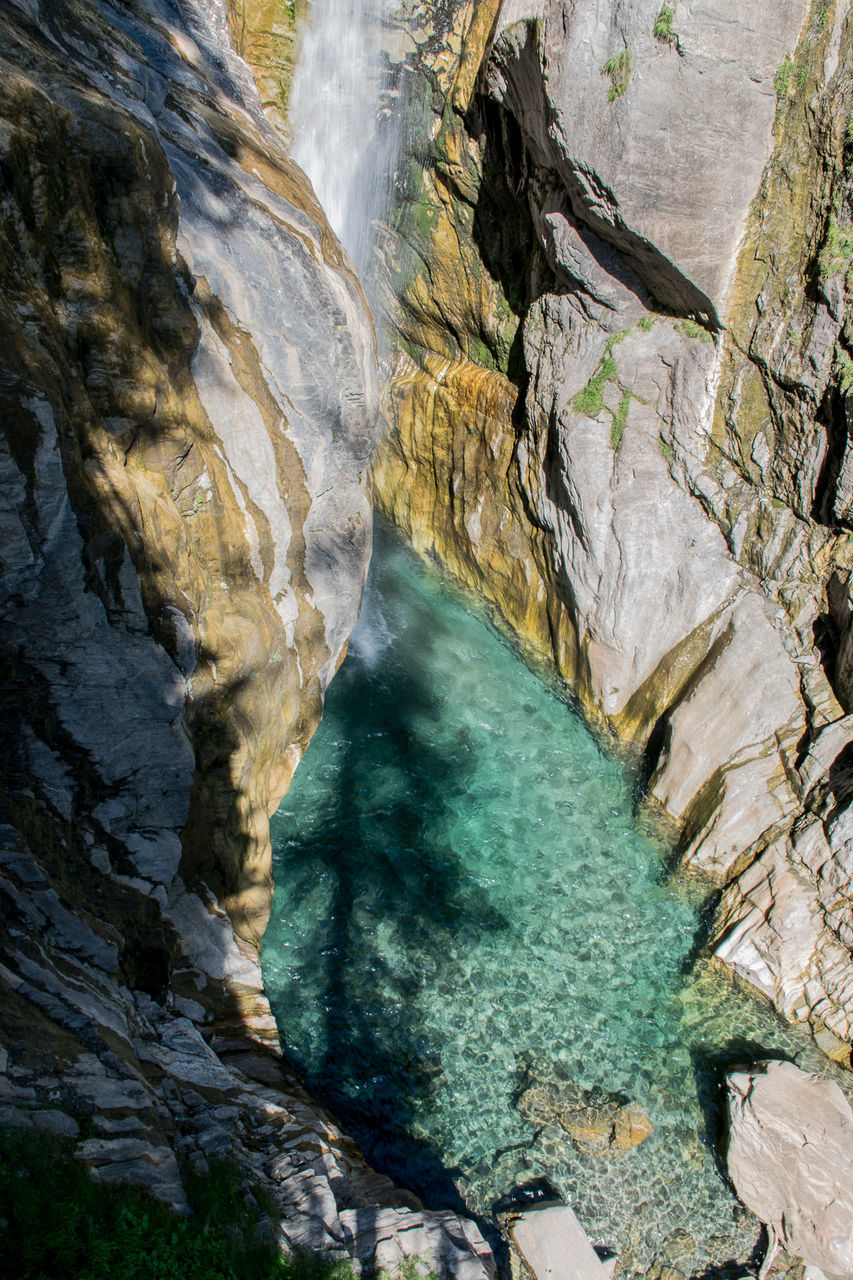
(553, 1244)
(784, 923)
(188, 395)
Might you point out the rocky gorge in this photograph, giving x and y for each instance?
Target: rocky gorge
(616, 356)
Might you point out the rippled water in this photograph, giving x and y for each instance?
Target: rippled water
(463, 890)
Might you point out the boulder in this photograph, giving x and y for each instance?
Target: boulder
(790, 1158)
(554, 1245)
(594, 1119)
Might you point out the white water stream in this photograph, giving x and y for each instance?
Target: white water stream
(346, 116)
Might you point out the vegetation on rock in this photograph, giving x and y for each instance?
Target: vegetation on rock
(782, 78)
(620, 417)
(590, 401)
(691, 329)
(56, 1221)
(662, 30)
(618, 68)
(837, 251)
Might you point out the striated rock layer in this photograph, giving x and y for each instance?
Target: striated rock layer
(188, 393)
(619, 411)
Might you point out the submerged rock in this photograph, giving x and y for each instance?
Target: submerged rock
(594, 1119)
(790, 1158)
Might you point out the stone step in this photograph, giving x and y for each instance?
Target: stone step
(554, 1244)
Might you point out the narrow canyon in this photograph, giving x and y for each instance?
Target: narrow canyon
(561, 289)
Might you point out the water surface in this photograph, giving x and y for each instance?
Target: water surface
(463, 890)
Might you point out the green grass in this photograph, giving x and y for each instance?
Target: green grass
(691, 329)
(56, 1222)
(662, 30)
(782, 78)
(620, 417)
(665, 449)
(618, 68)
(646, 323)
(837, 251)
(590, 401)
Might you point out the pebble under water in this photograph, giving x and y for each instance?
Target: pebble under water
(464, 895)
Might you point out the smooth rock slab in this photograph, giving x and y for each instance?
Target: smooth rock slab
(790, 1159)
(554, 1245)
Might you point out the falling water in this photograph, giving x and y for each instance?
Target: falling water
(346, 116)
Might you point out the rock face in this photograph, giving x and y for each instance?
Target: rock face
(785, 922)
(620, 413)
(790, 1157)
(189, 392)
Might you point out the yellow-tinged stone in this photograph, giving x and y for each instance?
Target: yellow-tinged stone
(264, 32)
(147, 470)
(445, 475)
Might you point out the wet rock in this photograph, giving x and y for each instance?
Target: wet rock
(790, 1158)
(679, 1245)
(594, 1119)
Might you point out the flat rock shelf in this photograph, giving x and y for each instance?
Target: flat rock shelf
(468, 915)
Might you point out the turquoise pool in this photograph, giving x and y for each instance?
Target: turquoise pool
(464, 894)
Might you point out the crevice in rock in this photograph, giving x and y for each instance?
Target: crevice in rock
(826, 644)
(831, 506)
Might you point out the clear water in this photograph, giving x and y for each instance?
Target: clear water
(462, 887)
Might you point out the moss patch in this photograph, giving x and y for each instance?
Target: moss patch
(590, 401)
(690, 329)
(783, 76)
(837, 251)
(620, 417)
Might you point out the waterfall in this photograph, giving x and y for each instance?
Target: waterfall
(346, 116)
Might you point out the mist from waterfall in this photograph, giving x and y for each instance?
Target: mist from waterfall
(346, 117)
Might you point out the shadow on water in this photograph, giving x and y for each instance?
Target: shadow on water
(398, 906)
(711, 1064)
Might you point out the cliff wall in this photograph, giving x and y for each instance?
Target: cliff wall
(619, 412)
(189, 393)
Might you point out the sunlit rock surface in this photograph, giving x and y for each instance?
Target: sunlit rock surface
(189, 395)
(790, 1158)
(619, 408)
